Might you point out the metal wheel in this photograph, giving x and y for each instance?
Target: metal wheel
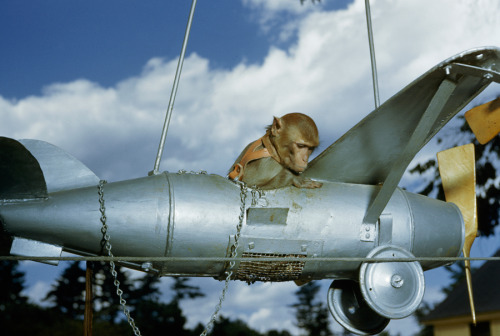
(351, 311)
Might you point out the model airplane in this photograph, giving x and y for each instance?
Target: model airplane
(49, 202)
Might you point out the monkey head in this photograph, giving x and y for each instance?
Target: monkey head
(294, 137)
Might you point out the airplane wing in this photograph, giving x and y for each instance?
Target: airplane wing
(383, 144)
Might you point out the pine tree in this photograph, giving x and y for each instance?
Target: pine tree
(153, 316)
(11, 279)
(12, 284)
(312, 316)
(67, 295)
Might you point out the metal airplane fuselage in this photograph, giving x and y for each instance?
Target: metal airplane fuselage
(196, 215)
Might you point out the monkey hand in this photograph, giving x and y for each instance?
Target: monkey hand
(306, 183)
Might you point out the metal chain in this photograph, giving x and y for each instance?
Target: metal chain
(107, 246)
(200, 172)
(234, 253)
(257, 195)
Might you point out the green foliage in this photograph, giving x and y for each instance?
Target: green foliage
(5, 241)
(227, 327)
(11, 279)
(312, 316)
(64, 316)
(421, 312)
(154, 318)
(457, 275)
(67, 294)
(11, 283)
(145, 289)
(28, 319)
(182, 290)
(277, 333)
(105, 291)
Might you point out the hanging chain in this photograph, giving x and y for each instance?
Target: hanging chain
(257, 197)
(107, 246)
(234, 253)
(183, 171)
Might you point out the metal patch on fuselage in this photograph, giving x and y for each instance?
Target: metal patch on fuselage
(267, 216)
(275, 270)
(367, 232)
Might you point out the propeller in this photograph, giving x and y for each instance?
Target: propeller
(484, 120)
(458, 175)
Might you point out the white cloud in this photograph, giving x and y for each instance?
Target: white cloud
(37, 292)
(263, 306)
(282, 16)
(279, 6)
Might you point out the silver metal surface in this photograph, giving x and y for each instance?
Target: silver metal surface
(385, 223)
(267, 216)
(380, 138)
(351, 311)
(28, 247)
(20, 174)
(457, 68)
(192, 215)
(234, 253)
(392, 289)
(367, 232)
(61, 170)
(414, 144)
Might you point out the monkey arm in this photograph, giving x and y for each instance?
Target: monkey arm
(267, 174)
(302, 182)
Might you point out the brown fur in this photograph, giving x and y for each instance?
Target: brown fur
(293, 138)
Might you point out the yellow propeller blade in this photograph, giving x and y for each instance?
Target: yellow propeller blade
(458, 175)
(484, 120)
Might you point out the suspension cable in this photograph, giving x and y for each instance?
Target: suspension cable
(372, 54)
(174, 91)
(243, 259)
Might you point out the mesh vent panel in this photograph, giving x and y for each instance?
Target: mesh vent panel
(251, 271)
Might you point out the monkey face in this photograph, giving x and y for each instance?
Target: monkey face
(298, 157)
(294, 137)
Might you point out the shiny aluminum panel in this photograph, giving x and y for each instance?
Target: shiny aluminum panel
(192, 215)
(136, 210)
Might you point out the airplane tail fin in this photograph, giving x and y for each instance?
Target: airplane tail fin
(31, 169)
(20, 174)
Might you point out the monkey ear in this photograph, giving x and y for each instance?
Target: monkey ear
(277, 126)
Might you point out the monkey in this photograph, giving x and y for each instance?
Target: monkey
(278, 158)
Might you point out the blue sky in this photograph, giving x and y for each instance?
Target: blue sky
(107, 41)
(94, 78)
